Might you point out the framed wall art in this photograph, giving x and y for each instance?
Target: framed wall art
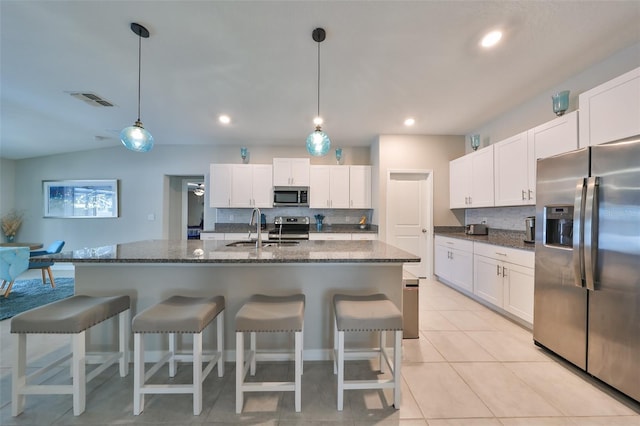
(80, 198)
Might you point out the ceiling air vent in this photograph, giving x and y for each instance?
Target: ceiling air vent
(91, 99)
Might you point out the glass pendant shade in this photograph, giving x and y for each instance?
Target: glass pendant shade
(136, 138)
(318, 143)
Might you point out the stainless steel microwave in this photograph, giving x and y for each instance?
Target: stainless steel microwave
(291, 196)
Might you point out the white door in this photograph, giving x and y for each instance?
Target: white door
(409, 217)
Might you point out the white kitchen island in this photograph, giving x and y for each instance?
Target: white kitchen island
(150, 271)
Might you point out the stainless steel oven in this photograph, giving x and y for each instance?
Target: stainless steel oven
(290, 228)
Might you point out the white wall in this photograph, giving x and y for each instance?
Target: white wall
(538, 110)
(416, 152)
(7, 186)
(145, 189)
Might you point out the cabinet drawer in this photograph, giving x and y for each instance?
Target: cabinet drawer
(364, 236)
(455, 243)
(506, 254)
(212, 236)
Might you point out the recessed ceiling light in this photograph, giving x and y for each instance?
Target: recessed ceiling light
(410, 121)
(224, 119)
(491, 39)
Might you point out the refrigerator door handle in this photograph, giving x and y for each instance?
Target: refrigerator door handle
(591, 232)
(578, 239)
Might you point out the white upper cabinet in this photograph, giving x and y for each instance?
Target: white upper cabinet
(220, 185)
(251, 185)
(555, 137)
(291, 171)
(471, 180)
(360, 187)
(610, 111)
(329, 187)
(516, 157)
(513, 184)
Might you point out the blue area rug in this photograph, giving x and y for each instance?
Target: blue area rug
(29, 294)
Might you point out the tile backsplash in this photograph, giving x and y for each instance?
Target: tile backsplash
(509, 218)
(331, 216)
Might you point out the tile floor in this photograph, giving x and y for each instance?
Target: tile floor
(470, 367)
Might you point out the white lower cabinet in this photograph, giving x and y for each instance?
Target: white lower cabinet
(504, 277)
(231, 236)
(454, 261)
(212, 235)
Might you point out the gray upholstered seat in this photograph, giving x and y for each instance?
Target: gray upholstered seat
(72, 315)
(173, 316)
(366, 313)
(178, 314)
(271, 313)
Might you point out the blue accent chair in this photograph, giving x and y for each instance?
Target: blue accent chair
(55, 247)
(13, 262)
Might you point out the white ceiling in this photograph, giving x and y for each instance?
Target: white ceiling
(382, 61)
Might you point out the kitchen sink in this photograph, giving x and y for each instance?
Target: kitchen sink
(265, 243)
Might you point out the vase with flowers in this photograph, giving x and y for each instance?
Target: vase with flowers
(10, 224)
(319, 219)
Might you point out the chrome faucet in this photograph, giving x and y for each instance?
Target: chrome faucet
(255, 214)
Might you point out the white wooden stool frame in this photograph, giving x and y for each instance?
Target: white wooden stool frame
(252, 355)
(197, 357)
(340, 355)
(79, 359)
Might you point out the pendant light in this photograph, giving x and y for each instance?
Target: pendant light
(136, 137)
(318, 142)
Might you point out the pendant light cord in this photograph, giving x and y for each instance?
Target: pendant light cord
(139, 71)
(318, 79)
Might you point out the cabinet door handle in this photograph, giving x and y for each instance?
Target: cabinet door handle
(524, 194)
(501, 254)
(504, 271)
(530, 194)
(498, 270)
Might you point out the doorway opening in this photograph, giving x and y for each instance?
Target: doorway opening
(186, 207)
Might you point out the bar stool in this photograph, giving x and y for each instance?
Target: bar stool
(268, 314)
(366, 314)
(74, 316)
(178, 315)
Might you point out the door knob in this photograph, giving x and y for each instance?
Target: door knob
(424, 231)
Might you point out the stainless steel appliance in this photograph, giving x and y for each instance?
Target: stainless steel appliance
(530, 229)
(477, 229)
(290, 228)
(587, 267)
(291, 196)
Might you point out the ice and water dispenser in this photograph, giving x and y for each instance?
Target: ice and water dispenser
(558, 226)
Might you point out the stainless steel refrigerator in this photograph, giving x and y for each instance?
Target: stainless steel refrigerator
(587, 267)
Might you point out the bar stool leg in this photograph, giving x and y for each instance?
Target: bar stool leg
(19, 373)
(220, 342)
(340, 370)
(383, 343)
(397, 362)
(124, 322)
(197, 374)
(298, 369)
(253, 353)
(138, 373)
(172, 352)
(78, 366)
(239, 371)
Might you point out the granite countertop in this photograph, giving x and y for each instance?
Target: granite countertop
(326, 229)
(497, 237)
(211, 251)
